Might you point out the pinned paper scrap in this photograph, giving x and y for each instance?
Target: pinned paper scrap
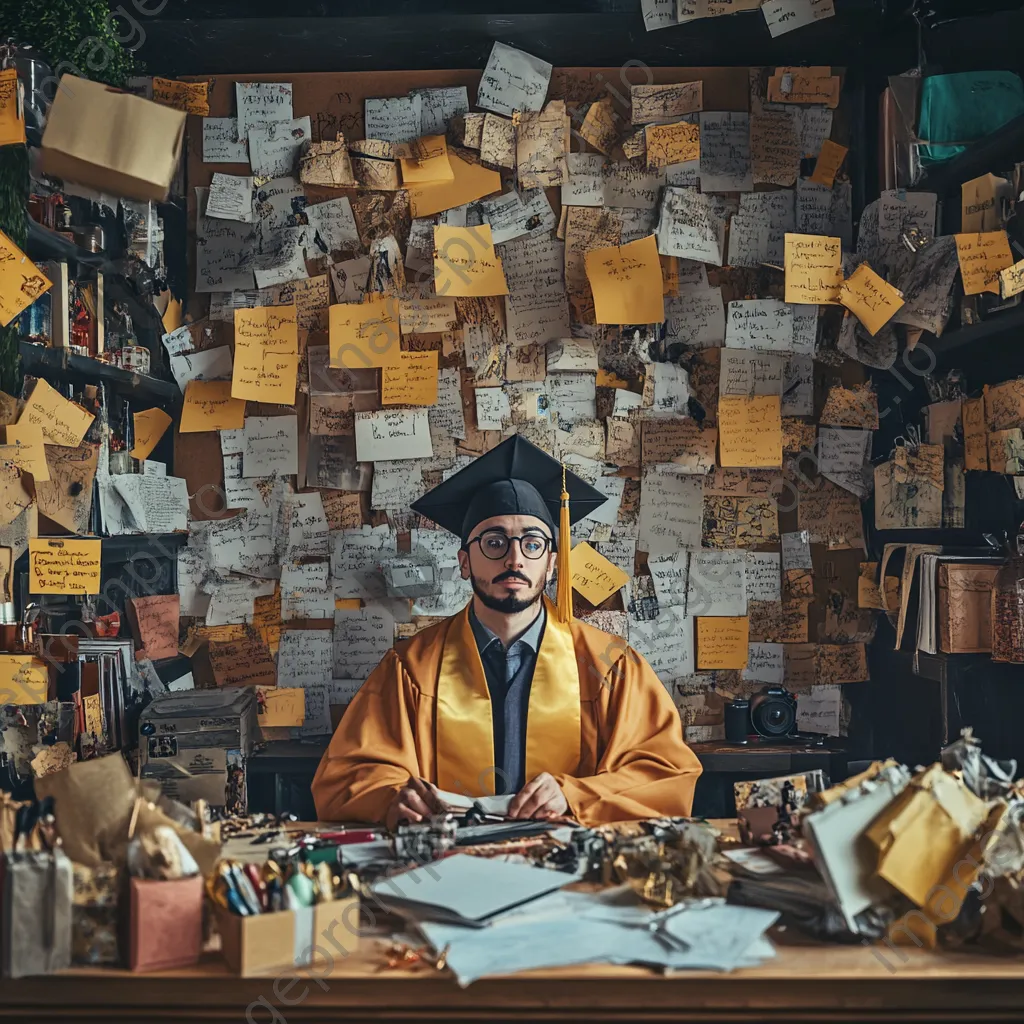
(23, 679)
(465, 263)
(814, 269)
(208, 405)
(593, 575)
(29, 453)
(64, 566)
(871, 299)
(672, 143)
(815, 85)
(830, 159)
(626, 283)
(982, 257)
(20, 281)
(62, 422)
(470, 182)
(1011, 280)
(150, 426)
(428, 161)
(12, 109)
(412, 382)
(365, 334)
(723, 642)
(266, 359)
(750, 430)
(188, 97)
(281, 707)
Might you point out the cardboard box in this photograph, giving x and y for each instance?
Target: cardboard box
(166, 923)
(112, 141)
(965, 607)
(290, 938)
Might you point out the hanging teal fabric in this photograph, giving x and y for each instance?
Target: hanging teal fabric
(960, 109)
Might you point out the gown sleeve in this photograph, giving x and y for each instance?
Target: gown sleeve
(372, 754)
(645, 769)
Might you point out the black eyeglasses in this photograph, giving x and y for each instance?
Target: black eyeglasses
(495, 544)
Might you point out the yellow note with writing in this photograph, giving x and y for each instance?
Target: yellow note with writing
(266, 363)
(672, 143)
(749, 431)
(626, 282)
(830, 159)
(23, 679)
(469, 183)
(593, 575)
(189, 97)
(150, 426)
(21, 283)
(365, 334)
(870, 298)
(93, 709)
(62, 422)
(982, 256)
(722, 642)
(814, 269)
(29, 455)
(208, 405)
(12, 110)
(412, 382)
(427, 161)
(465, 263)
(281, 707)
(63, 566)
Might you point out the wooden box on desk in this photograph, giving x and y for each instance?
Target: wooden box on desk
(965, 607)
(288, 938)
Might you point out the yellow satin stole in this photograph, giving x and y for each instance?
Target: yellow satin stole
(465, 737)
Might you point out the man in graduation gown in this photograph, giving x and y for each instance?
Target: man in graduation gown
(511, 696)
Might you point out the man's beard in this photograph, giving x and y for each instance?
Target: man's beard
(510, 604)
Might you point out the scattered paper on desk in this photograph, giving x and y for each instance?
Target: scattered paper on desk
(220, 142)
(23, 679)
(209, 406)
(513, 80)
(982, 257)
(871, 299)
(189, 97)
(62, 422)
(593, 575)
(64, 566)
(12, 110)
(465, 263)
(626, 282)
(750, 431)
(723, 642)
(150, 426)
(784, 16)
(366, 334)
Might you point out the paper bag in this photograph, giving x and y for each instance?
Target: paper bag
(36, 934)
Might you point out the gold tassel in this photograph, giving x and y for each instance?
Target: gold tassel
(564, 605)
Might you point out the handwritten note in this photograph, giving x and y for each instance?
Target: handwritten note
(220, 142)
(262, 103)
(774, 147)
(593, 575)
(365, 334)
(627, 284)
(870, 298)
(513, 80)
(12, 111)
(271, 446)
(982, 257)
(750, 430)
(208, 405)
(67, 497)
(692, 224)
(725, 152)
(386, 436)
(412, 382)
(765, 324)
(154, 621)
(62, 422)
(189, 97)
(64, 566)
(717, 583)
(23, 679)
(665, 102)
(814, 269)
(266, 354)
(830, 159)
(975, 444)
(361, 639)
(671, 509)
(784, 16)
(150, 426)
(465, 263)
(815, 85)
(25, 448)
(669, 144)
(723, 642)
(665, 642)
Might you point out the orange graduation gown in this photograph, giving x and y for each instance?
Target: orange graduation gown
(425, 712)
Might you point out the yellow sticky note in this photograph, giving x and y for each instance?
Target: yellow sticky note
(1011, 280)
(266, 363)
(722, 641)
(626, 282)
(469, 183)
(23, 679)
(171, 317)
(29, 454)
(593, 575)
(870, 298)
(814, 269)
(412, 382)
(93, 714)
(425, 160)
(365, 334)
(465, 263)
(12, 111)
(208, 405)
(190, 97)
(982, 257)
(749, 431)
(150, 426)
(63, 566)
(347, 604)
(20, 281)
(830, 159)
(281, 707)
(672, 143)
(62, 422)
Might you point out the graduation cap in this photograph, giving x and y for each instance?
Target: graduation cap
(516, 478)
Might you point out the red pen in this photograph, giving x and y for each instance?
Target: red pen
(350, 836)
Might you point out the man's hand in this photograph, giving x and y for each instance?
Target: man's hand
(413, 802)
(541, 797)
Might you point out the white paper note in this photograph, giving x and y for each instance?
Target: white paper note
(394, 118)
(513, 80)
(671, 510)
(399, 434)
(717, 583)
(220, 142)
(271, 446)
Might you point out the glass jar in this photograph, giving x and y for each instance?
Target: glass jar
(1008, 608)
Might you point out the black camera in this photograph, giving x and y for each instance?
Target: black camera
(768, 716)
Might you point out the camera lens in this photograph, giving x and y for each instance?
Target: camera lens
(773, 716)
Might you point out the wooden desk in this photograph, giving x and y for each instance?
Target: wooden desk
(804, 983)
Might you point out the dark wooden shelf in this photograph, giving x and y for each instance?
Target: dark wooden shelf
(954, 342)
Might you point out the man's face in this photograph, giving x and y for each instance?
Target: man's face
(505, 578)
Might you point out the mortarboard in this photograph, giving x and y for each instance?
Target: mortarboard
(516, 478)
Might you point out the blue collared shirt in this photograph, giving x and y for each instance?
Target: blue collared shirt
(509, 674)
